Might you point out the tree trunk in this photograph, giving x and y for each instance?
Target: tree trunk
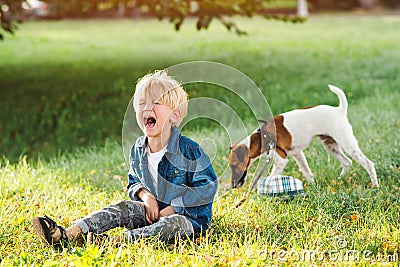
(302, 9)
(121, 9)
(368, 3)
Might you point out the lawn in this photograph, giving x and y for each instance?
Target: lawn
(64, 89)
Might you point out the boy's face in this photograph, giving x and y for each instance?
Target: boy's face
(155, 117)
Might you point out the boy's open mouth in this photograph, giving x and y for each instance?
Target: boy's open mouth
(149, 122)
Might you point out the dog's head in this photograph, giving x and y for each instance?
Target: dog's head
(239, 161)
(250, 148)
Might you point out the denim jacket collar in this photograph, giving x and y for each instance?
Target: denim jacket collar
(172, 146)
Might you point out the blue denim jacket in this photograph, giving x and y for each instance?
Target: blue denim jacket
(186, 178)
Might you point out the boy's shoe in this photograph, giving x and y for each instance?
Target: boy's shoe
(45, 227)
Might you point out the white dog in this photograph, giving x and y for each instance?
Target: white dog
(292, 133)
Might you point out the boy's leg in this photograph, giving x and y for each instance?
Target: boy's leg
(166, 229)
(125, 213)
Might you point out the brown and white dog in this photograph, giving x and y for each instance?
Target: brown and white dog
(292, 133)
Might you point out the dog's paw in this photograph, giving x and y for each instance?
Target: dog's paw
(310, 180)
(375, 186)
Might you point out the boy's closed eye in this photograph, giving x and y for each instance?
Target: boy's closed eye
(141, 103)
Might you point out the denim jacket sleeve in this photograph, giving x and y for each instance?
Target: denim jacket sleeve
(134, 183)
(201, 190)
(133, 186)
(202, 182)
(201, 186)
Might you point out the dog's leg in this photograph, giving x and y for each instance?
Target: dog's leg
(333, 148)
(368, 165)
(301, 161)
(350, 146)
(279, 165)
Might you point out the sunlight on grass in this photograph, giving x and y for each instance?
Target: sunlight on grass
(75, 78)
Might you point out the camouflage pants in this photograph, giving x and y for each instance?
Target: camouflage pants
(132, 215)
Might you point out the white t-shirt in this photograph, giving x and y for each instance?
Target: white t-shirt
(154, 159)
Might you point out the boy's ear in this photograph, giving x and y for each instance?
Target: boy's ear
(175, 116)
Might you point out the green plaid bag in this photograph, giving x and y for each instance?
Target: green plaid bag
(280, 185)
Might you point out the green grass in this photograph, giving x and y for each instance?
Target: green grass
(64, 88)
(67, 84)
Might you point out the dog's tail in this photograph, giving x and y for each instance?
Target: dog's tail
(343, 104)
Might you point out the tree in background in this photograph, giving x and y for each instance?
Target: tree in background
(302, 8)
(175, 11)
(351, 4)
(10, 14)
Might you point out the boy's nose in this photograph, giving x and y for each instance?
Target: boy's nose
(148, 107)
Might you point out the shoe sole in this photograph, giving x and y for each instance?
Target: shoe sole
(37, 227)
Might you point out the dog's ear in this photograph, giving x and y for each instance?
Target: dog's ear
(242, 154)
(239, 161)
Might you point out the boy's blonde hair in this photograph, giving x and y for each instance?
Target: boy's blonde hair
(172, 93)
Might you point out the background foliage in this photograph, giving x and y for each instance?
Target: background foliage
(11, 11)
(64, 86)
(205, 11)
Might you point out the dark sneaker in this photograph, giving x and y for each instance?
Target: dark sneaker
(45, 227)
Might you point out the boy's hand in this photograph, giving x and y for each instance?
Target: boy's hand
(150, 204)
(167, 211)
